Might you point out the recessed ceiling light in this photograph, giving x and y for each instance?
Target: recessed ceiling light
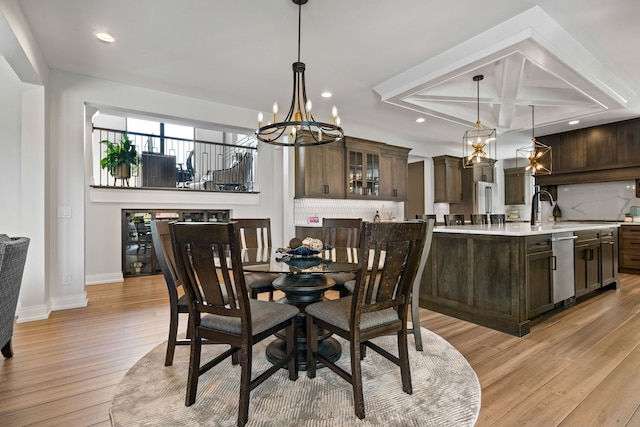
(326, 94)
(420, 119)
(105, 37)
(574, 122)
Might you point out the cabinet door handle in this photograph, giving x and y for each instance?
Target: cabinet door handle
(553, 262)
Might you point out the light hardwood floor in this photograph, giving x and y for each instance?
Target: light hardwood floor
(580, 367)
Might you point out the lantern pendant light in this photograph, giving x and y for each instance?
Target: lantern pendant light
(535, 158)
(479, 143)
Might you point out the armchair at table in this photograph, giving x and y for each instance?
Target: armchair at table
(13, 255)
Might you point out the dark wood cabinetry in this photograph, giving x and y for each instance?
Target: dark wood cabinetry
(595, 260)
(320, 171)
(515, 186)
(596, 154)
(393, 167)
(629, 253)
(586, 262)
(355, 169)
(609, 256)
(447, 179)
(539, 277)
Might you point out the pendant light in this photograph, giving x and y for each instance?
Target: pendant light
(535, 158)
(299, 128)
(478, 143)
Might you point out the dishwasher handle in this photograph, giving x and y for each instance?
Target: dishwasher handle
(560, 239)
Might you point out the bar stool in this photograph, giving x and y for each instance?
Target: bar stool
(453, 219)
(479, 219)
(497, 218)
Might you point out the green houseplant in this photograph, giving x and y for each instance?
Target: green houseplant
(120, 157)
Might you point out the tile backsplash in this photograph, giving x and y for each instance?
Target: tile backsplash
(305, 209)
(606, 201)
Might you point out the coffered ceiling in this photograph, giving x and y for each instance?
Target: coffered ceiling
(386, 63)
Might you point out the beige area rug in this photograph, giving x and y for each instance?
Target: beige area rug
(446, 391)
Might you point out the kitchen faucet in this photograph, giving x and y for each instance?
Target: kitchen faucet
(536, 209)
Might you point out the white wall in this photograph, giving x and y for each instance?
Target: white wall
(88, 243)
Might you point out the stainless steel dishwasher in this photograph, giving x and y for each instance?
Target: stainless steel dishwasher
(563, 273)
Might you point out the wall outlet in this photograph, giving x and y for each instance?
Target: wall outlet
(64, 211)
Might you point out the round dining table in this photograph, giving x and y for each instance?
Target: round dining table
(304, 281)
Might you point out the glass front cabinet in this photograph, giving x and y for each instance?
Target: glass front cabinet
(363, 171)
(138, 255)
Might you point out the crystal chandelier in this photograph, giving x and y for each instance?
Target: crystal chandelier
(535, 158)
(478, 143)
(299, 128)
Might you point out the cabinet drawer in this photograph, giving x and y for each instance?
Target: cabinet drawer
(630, 260)
(630, 244)
(587, 236)
(631, 231)
(538, 243)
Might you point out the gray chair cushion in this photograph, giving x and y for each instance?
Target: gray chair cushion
(259, 279)
(264, 315)
(338, 311)
(350, 285)
(341, 278)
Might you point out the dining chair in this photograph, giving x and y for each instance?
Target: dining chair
(388, 261)
(415, 289)
(13, 256)
(453, 219)
(256, 233)
(497, 218)
(209, 265)
(177, 304)
(341, 232)
(479, 219)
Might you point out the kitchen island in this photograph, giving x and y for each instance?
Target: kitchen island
(502, 276)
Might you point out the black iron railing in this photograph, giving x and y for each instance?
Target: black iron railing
(178, 163)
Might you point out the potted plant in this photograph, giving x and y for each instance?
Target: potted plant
(120, 157)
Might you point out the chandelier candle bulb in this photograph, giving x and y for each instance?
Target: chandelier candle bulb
(275, 112)
(260, 119)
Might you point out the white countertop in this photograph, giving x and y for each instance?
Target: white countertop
(523, 228)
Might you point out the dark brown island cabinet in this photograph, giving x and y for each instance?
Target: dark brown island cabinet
(502, 276)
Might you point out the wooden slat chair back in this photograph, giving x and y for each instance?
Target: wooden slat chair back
(177, 304)
(341, 232)
(209, 265)
(388, 262)
(256, 233)
(415, 291)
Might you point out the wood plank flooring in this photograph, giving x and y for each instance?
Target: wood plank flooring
(580, 367)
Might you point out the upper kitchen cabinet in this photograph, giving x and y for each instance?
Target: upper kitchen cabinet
(627, 142)
(447, 179)
(363, 169)
(394, 170)
(483, 172)
(376, 170)
(516, 181)
(320, 171)
(596, 154)
(600, 143)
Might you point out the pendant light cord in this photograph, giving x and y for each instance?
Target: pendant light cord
(478, 98)
(299, 27)
(532, 123)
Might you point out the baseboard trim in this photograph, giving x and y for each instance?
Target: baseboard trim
(99, 279)
(33, 313)
(73, 301)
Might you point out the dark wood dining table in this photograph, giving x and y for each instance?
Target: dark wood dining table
(304, 281)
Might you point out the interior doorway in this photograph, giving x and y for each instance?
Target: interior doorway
(415, 190)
